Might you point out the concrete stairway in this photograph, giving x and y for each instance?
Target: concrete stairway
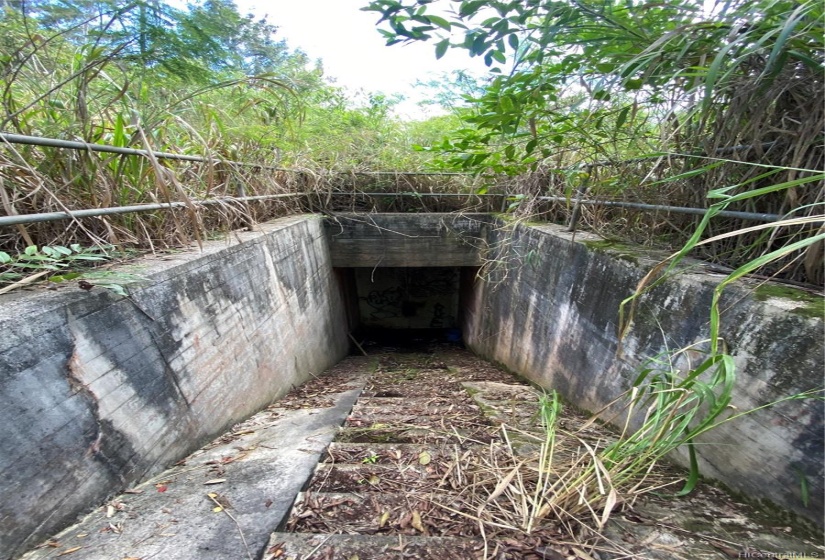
(393, 483)
(421, 454)
(383, 490)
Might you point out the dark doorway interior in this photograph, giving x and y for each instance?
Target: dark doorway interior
(405, 307)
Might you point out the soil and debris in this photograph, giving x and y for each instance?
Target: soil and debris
(427, 465)
(427, 450)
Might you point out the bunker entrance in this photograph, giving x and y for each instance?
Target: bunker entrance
(406, 307)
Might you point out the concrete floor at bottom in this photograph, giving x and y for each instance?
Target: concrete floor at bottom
(426, 454)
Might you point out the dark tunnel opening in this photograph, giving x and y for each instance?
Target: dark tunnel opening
(406, 308)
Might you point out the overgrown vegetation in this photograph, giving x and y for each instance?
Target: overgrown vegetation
(204, 81)
(672, 104)
(60, 264)
(664, 103)
(717, 105)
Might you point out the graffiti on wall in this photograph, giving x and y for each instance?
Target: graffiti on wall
(408, 297)
(385, 303)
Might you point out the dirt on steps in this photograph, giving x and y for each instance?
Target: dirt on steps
(436, 459)
(425, 467)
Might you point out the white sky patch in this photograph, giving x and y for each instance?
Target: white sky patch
(354, 53)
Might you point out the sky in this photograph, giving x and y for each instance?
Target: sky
(353, 51)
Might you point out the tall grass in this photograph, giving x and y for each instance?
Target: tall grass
(86, 81)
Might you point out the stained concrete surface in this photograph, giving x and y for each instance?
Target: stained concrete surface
(555, 319)
(407, 240)
(261, 464)
(211, 337)
(99, 391)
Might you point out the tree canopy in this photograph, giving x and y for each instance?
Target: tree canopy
(610, 79)
(724, 100)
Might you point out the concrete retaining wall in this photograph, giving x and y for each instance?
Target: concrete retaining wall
(98, 391)
(549, 311)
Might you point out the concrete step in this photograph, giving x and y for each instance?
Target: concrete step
(380, 478)
(389, 432)
(390, 389)
(357, 419)
(308, 546)
(419, 405)
(385, 513)
(395, 453)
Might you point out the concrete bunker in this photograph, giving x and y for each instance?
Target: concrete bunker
(407, 277)
(212, 337)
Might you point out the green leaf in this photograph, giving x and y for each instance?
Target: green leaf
(531, 146)
(31, 250)
(49, 252)
(116, 288)
(87, 258)
(691, 173)
(468, 8)
(67, 276)
(5, 258)
(441, 48)
(479, 45)
(119, 134)
(633, 85)
(620, 120)
(512, 39)
(440, 22)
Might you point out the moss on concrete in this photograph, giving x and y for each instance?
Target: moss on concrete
(812, 305)
(614, 248)
(766, 512)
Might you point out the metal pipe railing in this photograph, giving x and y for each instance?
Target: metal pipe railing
(85, 146)
(74, 145)
(666, 155)
(95, 212)
(753, 216)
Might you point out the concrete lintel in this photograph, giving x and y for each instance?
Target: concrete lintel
(407, 240)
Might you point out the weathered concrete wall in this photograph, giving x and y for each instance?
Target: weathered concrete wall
(407, 240)
(98, 391)
(549, 311)
(408, 298)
